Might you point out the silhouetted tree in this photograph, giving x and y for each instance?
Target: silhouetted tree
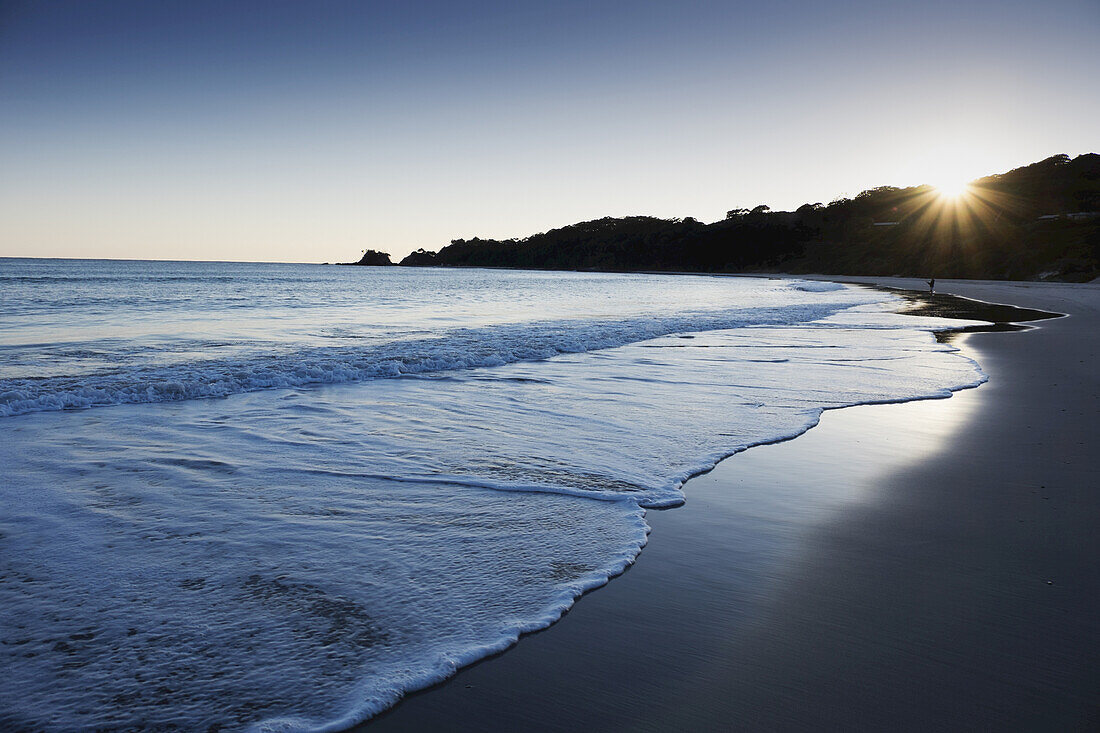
(373, 257)
(1000, 236)
(419, 258)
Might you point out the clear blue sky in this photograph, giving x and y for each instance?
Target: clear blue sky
(308, 131)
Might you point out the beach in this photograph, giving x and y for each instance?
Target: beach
(279, 509)
(250, 511)
(489, 367)
(921, 566)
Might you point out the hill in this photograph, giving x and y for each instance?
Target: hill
(1040, 221)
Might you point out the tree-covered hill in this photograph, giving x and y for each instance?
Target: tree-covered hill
(371, 257)
(1039, 221)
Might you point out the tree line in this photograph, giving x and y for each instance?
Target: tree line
(1037, 221)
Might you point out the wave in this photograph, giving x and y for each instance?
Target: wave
(816, 286)
(458, 349)
(299, 560)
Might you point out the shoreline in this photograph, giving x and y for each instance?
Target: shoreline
(626, 649)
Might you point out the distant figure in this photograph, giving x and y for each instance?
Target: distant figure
(932, 286)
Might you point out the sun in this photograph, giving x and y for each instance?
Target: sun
(952, 188)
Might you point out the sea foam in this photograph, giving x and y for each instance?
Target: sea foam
(447, 350)
(298, 557)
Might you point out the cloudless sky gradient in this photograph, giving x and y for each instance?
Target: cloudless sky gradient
(308, 131)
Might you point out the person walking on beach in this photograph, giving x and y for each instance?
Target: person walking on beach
(932, 286)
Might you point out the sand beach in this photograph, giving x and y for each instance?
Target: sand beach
(921, 566)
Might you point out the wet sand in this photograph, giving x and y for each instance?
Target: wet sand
(924, 566)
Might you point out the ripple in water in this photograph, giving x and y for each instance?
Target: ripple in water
(298, 558)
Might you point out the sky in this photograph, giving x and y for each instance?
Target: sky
(309, 131)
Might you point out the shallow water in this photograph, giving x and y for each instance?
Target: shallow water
(404, 470)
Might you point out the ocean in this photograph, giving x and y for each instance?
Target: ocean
(277, 497)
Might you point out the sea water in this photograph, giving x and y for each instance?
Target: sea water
(277, 497)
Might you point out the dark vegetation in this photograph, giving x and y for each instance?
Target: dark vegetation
(371, 257)
(1035, 222)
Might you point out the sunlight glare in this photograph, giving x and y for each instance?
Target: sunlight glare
(952, 188)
